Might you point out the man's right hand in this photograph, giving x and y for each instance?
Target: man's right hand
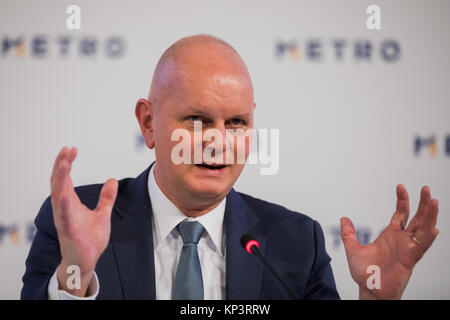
(83, 233)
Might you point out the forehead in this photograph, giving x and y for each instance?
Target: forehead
(213, 94)
(207, 78)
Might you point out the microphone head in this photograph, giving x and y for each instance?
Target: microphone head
(248, 241)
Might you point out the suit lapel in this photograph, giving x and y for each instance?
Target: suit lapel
(132, 239)
(243, 270)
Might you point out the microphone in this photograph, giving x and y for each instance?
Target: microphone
(250, 245)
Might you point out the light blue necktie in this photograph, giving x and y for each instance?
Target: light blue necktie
(188, 281)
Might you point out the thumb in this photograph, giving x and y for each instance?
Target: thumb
(348, 235)
(107, 197)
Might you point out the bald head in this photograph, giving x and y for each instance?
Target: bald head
(193, 57)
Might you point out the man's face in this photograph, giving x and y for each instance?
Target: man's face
(221, 100)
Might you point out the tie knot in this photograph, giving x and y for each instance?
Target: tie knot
(190, 231)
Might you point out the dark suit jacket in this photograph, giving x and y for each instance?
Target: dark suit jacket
(291, 242)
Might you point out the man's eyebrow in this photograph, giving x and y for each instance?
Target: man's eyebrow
(195, 110)
(243, 115)
(202, 112)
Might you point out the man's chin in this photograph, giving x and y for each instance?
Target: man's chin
(209, 190)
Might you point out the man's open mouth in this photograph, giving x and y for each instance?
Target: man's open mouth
(213, 167)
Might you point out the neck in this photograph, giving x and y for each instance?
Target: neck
(197, 212)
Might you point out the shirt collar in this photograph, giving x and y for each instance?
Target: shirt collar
(166, 216)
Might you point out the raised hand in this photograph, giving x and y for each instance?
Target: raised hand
(83, 233)
(397, 249)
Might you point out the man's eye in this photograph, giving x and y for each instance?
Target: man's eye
(195, 118)
(236, 122)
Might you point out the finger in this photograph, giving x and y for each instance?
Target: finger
(107, 197)
(62, 168)
(58, 159)
(400, 217)
(68, 185)
(72, 154)
(59, 156)
(430, 218)
(425, 199)
(348, 235)
(64, 155)
(426, 232)
(425, 239)
(59, 169)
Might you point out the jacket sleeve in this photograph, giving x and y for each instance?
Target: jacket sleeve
(44, 256)
(321, 284)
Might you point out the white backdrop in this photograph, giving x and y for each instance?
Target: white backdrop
(349, 119)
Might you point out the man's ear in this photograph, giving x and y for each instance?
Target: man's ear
(144, 112)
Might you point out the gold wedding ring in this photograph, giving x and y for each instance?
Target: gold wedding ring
(413, 237)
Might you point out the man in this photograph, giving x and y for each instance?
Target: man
(174, 232)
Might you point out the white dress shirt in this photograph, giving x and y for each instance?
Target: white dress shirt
(167, 245)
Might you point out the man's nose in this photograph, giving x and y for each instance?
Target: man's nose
(218, 139)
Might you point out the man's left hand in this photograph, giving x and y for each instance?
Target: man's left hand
(396, 250)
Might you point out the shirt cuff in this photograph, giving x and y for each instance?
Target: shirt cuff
(55, 294)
